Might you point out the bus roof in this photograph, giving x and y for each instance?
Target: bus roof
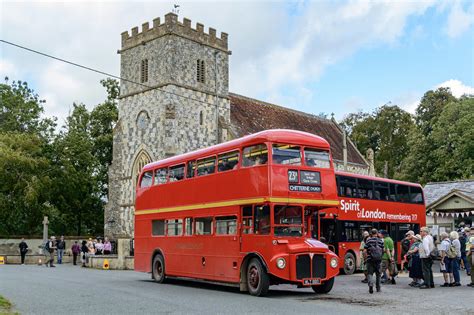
(393, 181)
(273, 135)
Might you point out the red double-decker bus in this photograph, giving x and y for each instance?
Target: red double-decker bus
(239, 213)
(369, 202)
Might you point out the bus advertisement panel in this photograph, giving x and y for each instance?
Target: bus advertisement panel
(365, 203)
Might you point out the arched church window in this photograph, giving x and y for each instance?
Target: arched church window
(142, 120)
(141, 160)
(201, 118)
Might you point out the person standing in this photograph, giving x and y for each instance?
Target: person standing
(23, 250)
(470, 253)
(76, 250)
(84, 253)
(464, 240)
(99, 247)
(373, 250)
(107, 246)
(50, 247)
(406, 245)
(61, 246)
(388, 258)
(427, 246)
(414, 263)
(363, 267)
(454, 237)
(446, 263)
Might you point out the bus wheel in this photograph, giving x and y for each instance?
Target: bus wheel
(323, 288)
(349, 263)
(258, 281)
(158, 270)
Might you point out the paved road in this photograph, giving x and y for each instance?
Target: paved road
(74, 290)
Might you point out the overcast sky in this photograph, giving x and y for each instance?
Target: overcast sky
(314, 56)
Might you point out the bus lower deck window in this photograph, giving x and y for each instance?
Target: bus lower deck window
(188, 226)
(158, 227)
(226, 225)
(204, 226)
(262, 220)
(174, 227)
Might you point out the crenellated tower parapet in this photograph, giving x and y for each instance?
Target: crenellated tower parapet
(173, 26)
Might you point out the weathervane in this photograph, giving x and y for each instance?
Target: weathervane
(176, 8)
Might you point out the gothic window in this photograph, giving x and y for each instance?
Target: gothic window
(200, 71)
(170, 111)
(201, 118)
(144, 71)
(142, 120)
(142, 159)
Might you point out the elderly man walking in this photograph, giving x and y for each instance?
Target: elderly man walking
(426, 249)
(50, 247)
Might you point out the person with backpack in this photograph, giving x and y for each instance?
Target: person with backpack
(456, 247)
(49, 247)
(428, 252)
(373, 250)
(446, 264)
(23, 250)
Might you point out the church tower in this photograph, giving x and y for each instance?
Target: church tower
(173, 99)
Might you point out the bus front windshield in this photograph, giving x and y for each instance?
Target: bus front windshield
(288, 220)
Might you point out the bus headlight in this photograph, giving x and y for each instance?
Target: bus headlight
(334, 262)
(281, 263)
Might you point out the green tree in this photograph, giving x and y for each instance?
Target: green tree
(385, 131)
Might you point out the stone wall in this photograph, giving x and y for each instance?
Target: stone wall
(172, 113)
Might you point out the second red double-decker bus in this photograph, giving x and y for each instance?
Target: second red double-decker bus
(368, 202)
(239, 213)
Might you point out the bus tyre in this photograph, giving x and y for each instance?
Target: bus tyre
(349, 264)
(323, 288)
(158, 269)
(258, 281)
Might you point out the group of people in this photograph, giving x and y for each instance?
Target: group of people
(88, 248)
(419, 251)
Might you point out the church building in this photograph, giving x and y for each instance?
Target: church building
(174, 98)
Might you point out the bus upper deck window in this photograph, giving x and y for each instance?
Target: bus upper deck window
(316, 158)
(286, 154)
(228, 161)
(255, 155)
(176, 173)
(146, 179)
(416, 195)
(160, 176)
(206, 166)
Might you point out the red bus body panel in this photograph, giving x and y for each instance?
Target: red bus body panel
(220, 257)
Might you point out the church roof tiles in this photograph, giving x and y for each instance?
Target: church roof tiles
(250, 116)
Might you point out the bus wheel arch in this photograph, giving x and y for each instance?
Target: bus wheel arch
(350, 262)
(244, 267)
(158, 266)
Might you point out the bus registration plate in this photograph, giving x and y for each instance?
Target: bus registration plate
(311, 281)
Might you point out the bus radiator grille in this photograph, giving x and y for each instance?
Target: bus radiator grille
(319, 266)
(303, 267)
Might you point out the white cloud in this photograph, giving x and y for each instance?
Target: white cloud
(279, 48)
(458, 88)
(7, 69)
(459, 20)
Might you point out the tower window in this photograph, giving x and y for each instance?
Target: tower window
(144, 71)
(201, 118)
(200, 71)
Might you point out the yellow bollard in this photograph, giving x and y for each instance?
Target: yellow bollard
(105, 265)
(2, 260)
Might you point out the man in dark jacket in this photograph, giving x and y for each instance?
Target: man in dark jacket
(373, 250)
(23, 250)
(61, 245)
(51, 246)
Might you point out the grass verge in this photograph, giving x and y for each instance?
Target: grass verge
(6, 307)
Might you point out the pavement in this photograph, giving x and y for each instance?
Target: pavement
(69, 289)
